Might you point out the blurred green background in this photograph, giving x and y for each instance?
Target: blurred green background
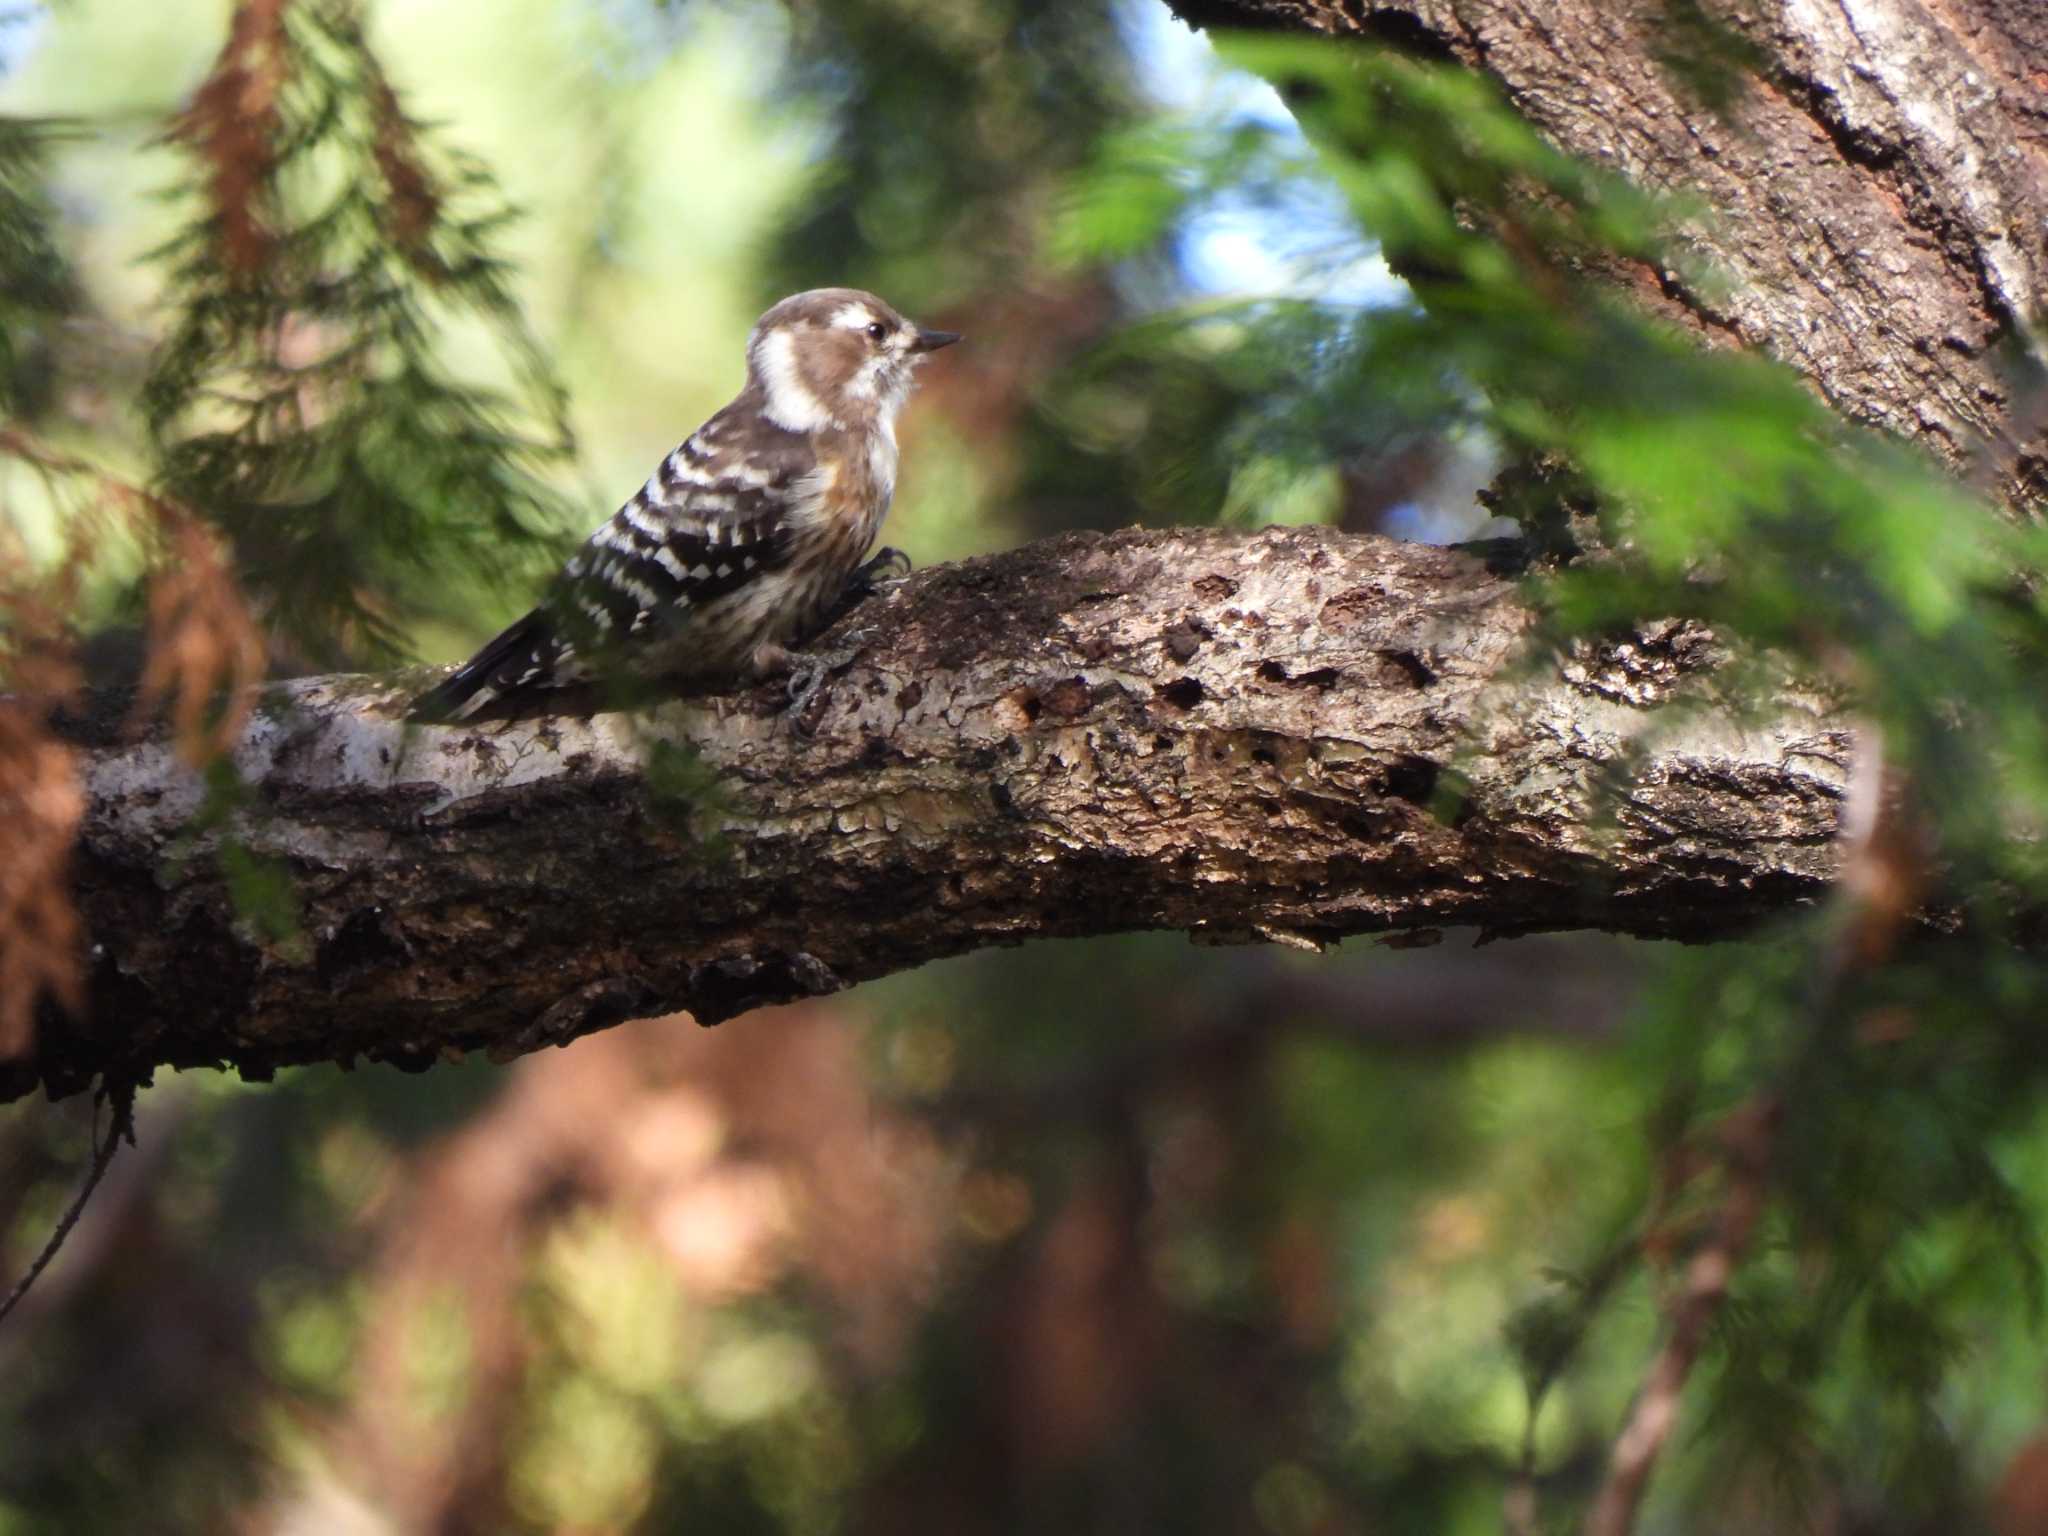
(1105, 1236)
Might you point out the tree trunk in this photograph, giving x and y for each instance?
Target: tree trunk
(1290, 736)
(1878, 192)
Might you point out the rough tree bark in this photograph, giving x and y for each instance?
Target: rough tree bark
(1878, 195)
(1291, 736)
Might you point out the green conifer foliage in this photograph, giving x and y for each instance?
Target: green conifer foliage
(300, 398)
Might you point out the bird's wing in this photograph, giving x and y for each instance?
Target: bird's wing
(717, 513)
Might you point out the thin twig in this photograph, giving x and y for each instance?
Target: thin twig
(120, 1127)
(1749, 1135)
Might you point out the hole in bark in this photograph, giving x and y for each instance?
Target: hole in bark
(1412, 779)
(1182, 693)
(1320, 678)
(1215, 587)
(1411, 666)
(1019, 709)
(360, 941)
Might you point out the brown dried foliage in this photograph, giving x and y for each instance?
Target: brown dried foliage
(232, 126)
(205, 653)
(415, 203)
(204, 657)
(41, 803)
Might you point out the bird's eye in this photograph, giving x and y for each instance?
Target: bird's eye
(877, 331)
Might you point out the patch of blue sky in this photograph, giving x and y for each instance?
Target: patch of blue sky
(1304, 246)
(1297, 241)
(21, 29)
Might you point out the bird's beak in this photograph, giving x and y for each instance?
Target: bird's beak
(931, 341)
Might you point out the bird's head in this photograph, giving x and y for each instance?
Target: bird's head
(836, 357)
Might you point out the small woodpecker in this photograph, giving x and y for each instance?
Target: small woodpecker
(747, 536)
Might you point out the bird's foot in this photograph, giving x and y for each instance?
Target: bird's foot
(811, 671)
(809, 675)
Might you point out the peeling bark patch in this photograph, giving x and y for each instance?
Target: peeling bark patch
(1069, 698)
(1645, 668)
(1351, 608)
(1214, 587)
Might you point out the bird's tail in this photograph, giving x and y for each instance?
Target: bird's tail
(522, 657)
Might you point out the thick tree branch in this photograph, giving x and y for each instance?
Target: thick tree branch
(1294, 735)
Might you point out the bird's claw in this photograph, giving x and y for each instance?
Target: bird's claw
(889, 566)
(809, 677)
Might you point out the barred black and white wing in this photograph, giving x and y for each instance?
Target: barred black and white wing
(663, 586)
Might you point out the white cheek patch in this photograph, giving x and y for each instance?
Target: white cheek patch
(867, 383)
(791, 404)
(855, 317)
